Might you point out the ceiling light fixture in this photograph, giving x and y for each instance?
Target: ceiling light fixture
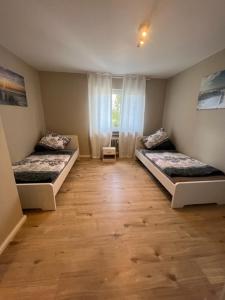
(143, 31)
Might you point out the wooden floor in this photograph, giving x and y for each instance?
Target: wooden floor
(114, 236)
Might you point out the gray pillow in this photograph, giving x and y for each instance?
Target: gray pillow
(155, 139)
(54, 141)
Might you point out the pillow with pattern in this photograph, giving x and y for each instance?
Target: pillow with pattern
(155, 139)
(53, 141)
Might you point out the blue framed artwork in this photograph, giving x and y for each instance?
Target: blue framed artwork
(212, 91)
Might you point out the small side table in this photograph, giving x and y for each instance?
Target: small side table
(109, 154)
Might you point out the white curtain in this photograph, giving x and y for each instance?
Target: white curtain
(132, 114)
(100, 111)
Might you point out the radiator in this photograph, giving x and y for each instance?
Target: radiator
(115, 143)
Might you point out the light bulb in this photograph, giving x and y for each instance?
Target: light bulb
(144, 33)
(142, 42)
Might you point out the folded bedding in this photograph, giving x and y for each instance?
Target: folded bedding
(41, 167)
(176, 164)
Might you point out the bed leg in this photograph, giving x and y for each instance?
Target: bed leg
(51, 205)
(176, 204)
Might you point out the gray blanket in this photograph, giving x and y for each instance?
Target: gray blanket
(175, 164)
(41, 167)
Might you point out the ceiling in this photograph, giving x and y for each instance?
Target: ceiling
(100, 35)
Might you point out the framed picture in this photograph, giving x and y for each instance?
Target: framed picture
(212, 91)
(12, 88)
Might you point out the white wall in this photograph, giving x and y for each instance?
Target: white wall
(10, 209)
(155, 95)
(197, 133)
(23, 125)
(65, 100)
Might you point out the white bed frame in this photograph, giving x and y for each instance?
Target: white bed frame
(185, 193)
(42, 195)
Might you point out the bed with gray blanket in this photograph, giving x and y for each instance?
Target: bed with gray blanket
(188, 180)
(40, 175)
(41, 167)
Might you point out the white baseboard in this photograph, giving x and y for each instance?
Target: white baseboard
(12, 234)
(85, 156)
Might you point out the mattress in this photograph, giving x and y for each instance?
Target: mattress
(41, 167)
(176, 164)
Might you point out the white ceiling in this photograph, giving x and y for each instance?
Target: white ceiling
(100, 35)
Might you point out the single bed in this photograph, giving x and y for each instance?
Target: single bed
(40, 175)
(194, 183)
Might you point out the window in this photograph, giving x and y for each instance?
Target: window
(116, 109)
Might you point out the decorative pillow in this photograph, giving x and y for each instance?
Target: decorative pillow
(53, 141)
(155, 139)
